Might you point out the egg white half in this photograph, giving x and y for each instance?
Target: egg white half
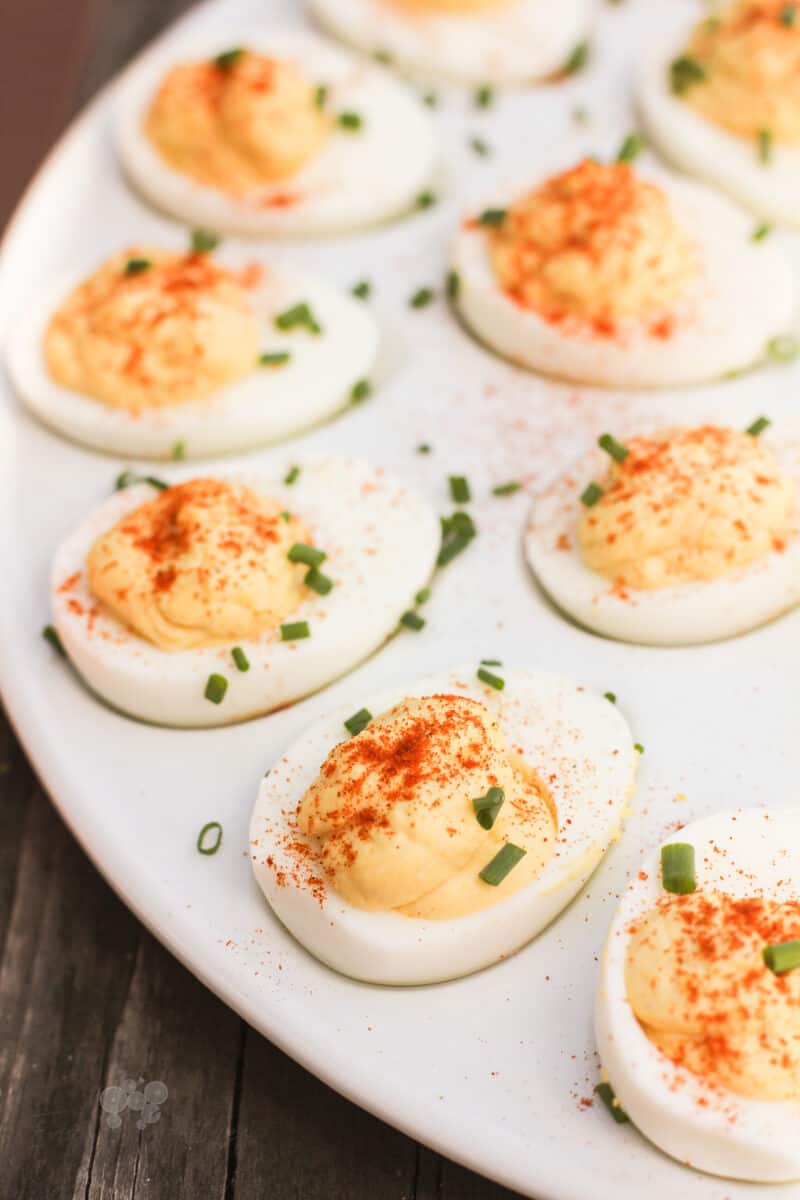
(266, 405)
(357, 179)
(700, 611)
(580, 745)
(520, 41)
(381, 541)
(744, 295)
(698, 146)
(719, 1132)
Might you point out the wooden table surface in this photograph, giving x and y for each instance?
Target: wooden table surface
(88, 999)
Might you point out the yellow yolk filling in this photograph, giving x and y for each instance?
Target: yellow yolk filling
(240, 126)
(596, 244)
(392, 810)
(687, 504)
(176, 330)
(697, 983)
(748, 70)
(201, 564)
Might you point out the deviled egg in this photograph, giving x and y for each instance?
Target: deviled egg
(162, 354)
(473, 41)
(680, 536)
(273, 134)
(722, 101)
(434, 829)
(604, 275)
(218, 599)
(698, 1001)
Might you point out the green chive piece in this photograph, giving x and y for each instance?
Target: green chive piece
(764, 145)
(487, 807)
(299, 316)
(321, 95)
(491, 662)
(430, 99)
(758, 426)
(384, 56)
(426, 199)
(423, 596)
(591, 494)
(295, 631)
(788, 14)
(204, 241)
(577, 59)
(350, 121)
(135, 266)
(608, 1096)
(319, 583)
(492, 681)
(782, 957)
(783, 348)
(228, 59)
(610, 696)
(685, 71)
(677, 868)
(760, 232)
(452, 285)
(424, 448)
(638, 747)
(502, 864)
(50, 634)
(274, 358)
(421, 298)
(240, 659)
(479, 147)
(459, 489)
(361, 390)
(493, 217)
(216, 687)
(211, 828)
(458, 531)
(631, 148)
(506, 489)
(484, 97)
(291, 476)
(362, 290)
(358, 721)
(611, 446)
(128, 478)
(286, 516)
(310, 556)
(179, 451)
(412, 620)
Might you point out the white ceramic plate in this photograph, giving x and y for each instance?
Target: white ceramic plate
(490, 1070)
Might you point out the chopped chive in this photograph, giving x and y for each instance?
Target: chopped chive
(286, 516)
(228, 59)
(421, 298)
(424, 448)
(358, 721)
(459, 489)
(361, 390)
(319, 583)
(274, 358)
(502, 864)
(487, 807)
(350, 121)
(479, 146)
(426, 199)
(610, 696)
(50, 634)
(135, 266)
(491, 662)
(240, 659)
(430, 99)
(362, 290)
(204, 846)
(384, 56)
(320, 95)
(179, 451)
(677, 868)
(631, 148)
(458, 531)
(412, 620)
(783, 348)
(788, 14)
(128, 478)
(683, 72)
(291, 476)
(452, 285)
(591, 494)
(782, 956)
(493, 217)
(295, 631)
(607, 1095)
(506, 489)
(216, 687)
(204, 241)
(492, 681)
(760, 232)
(638, 747)
(764, 145)
(310, 556)
(299, 316)
(758, 426)
(483, 97)
(423, 596)
(611, 446)
(577, 59)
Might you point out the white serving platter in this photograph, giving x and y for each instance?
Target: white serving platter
(491, 1070)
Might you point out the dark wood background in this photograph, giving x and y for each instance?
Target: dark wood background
(87, 997)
